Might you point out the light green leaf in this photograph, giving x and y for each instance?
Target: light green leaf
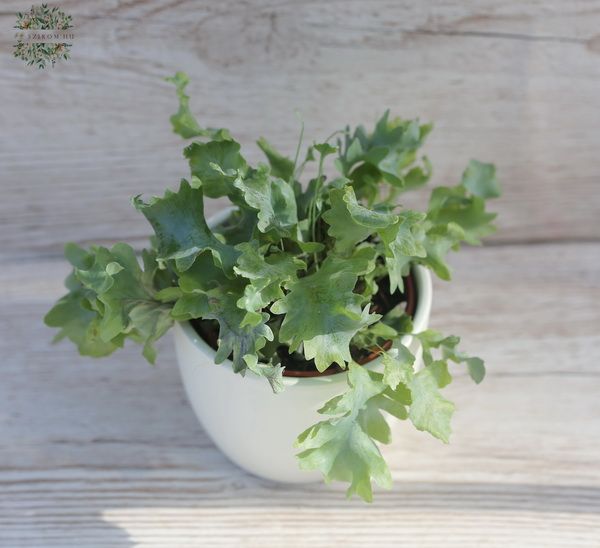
(78, 322)
(386, 153)
(151, 321)
(453, 206)
(129, 302)
(429, 410)
(273, 198)
(365, 216)
(480, 179)
(342, 448)
(111, 298)
(439, 241)
(267, 275)
(273, 373)
(439, 369)
(333, 345)
(448, 347)
(350, 222)
(403, 242)
(398, 368)
(417, 176)
(322, 311)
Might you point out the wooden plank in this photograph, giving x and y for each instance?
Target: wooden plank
(513, 82)
(108, 453)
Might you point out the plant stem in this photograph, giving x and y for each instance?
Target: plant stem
(313, 204)
(298, 146)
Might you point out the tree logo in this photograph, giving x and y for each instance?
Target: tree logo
(44, 36)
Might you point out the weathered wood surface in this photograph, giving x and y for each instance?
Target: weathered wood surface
(513, 82)
(108, 453)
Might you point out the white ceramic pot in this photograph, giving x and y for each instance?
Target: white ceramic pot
(253, 427)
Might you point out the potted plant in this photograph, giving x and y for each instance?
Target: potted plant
(317, 297)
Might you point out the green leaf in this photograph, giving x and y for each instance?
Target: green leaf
(387, 153)
(181, 229)
(246, 277)
(216, 164)
(129, 304)
(267, 275)
(78, 322)
(325, 149)
(342, 448)
(453, 206)
(204, 275)
(239, 227)
(476, 369)
(372, 335)
(281, 166)
(183, 121)
(429, 410)
(417, 176)
(403, 242)
(235, 338)
(77, 256)
(111, 298)
(323, 313)
(168, 294)
(274, 200)
(448, 347)
(439, 241)
(310, 247)
(394, 401)
(273, 373)
(151, 321)
(439, 369)
(190, 307)
(475, 365)
(350, 222)
(480, 179)
(398, 368)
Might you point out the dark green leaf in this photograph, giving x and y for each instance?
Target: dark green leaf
(183, 121)
(181, 230)
(216, 164)
(281, 166)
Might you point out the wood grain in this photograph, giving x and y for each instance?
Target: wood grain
(512, 82)
(108, 453)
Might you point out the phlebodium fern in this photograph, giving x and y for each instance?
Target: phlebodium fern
(290, 279)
